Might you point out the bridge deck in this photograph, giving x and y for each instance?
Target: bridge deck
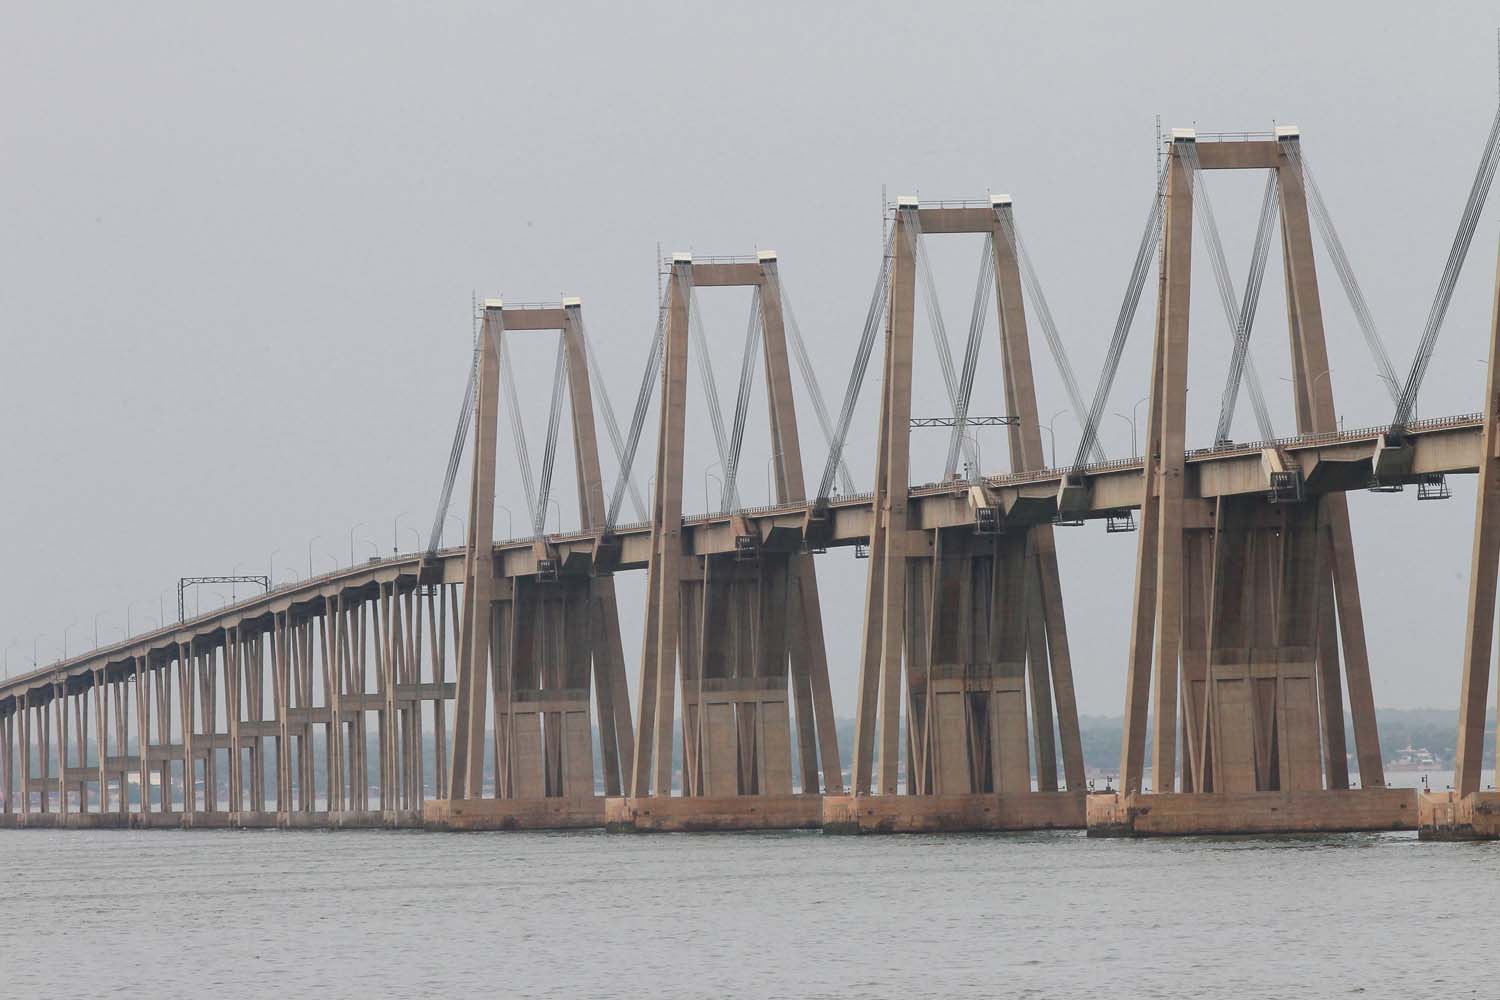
(1330, 462)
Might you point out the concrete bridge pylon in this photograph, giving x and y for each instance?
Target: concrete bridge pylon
(532, 645)
(961, 622)
(734, 630)
(1240, 602)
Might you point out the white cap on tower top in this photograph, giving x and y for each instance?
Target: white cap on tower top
(906, 201)
(996, 200)
(682, 258)
(766, 255)
(1288, 132)
(572, 300)
(494, 303)
(1184, 135)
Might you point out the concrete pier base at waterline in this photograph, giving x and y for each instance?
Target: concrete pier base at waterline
(703, 813)
(514, 814)
(953, 813)
(1186, 814)
(1451, 816)
(398, 819)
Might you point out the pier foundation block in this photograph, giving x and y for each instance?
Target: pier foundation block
(1450, 816)
(702, 813)
(514, 814)
(1182, 814)
(953, 813)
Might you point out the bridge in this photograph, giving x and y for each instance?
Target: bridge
(484, 685)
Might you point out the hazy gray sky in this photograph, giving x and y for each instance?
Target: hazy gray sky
(241, 242)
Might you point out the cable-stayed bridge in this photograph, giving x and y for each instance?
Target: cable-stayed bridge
(491, 678)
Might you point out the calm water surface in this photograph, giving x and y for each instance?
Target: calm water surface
(239, 914)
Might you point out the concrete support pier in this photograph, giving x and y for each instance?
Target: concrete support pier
(1454, 816)
(733, 629)
(964, 629)
(1243, 604)
(1182, 814)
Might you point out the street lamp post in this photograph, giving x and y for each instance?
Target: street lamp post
(39, 636)
(1314, 383)
(510, 521)
(552, 502)
(772, 498)
(353, 528)
(1131, 422)
(1052, 433)
(396, 533)
(707, 509)
(978, 455)
(96, 627)
(66, 629)
(706, 477)
(310, 541)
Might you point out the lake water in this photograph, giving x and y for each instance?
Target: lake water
(239, 914)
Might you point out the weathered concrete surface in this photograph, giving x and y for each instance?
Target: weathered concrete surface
(218, 820)
(1451, 816)
(1313, 811)
(514, 814)
(953, 813)
(65, 821)
(696, 814)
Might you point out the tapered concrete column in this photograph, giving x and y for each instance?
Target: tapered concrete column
(1313, 385)
(653, 768)
(617, 740)
(467, 775)
(1168, 440)
(1142, 645)
(879, 709)
(1484, 567)
(1049, 654)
